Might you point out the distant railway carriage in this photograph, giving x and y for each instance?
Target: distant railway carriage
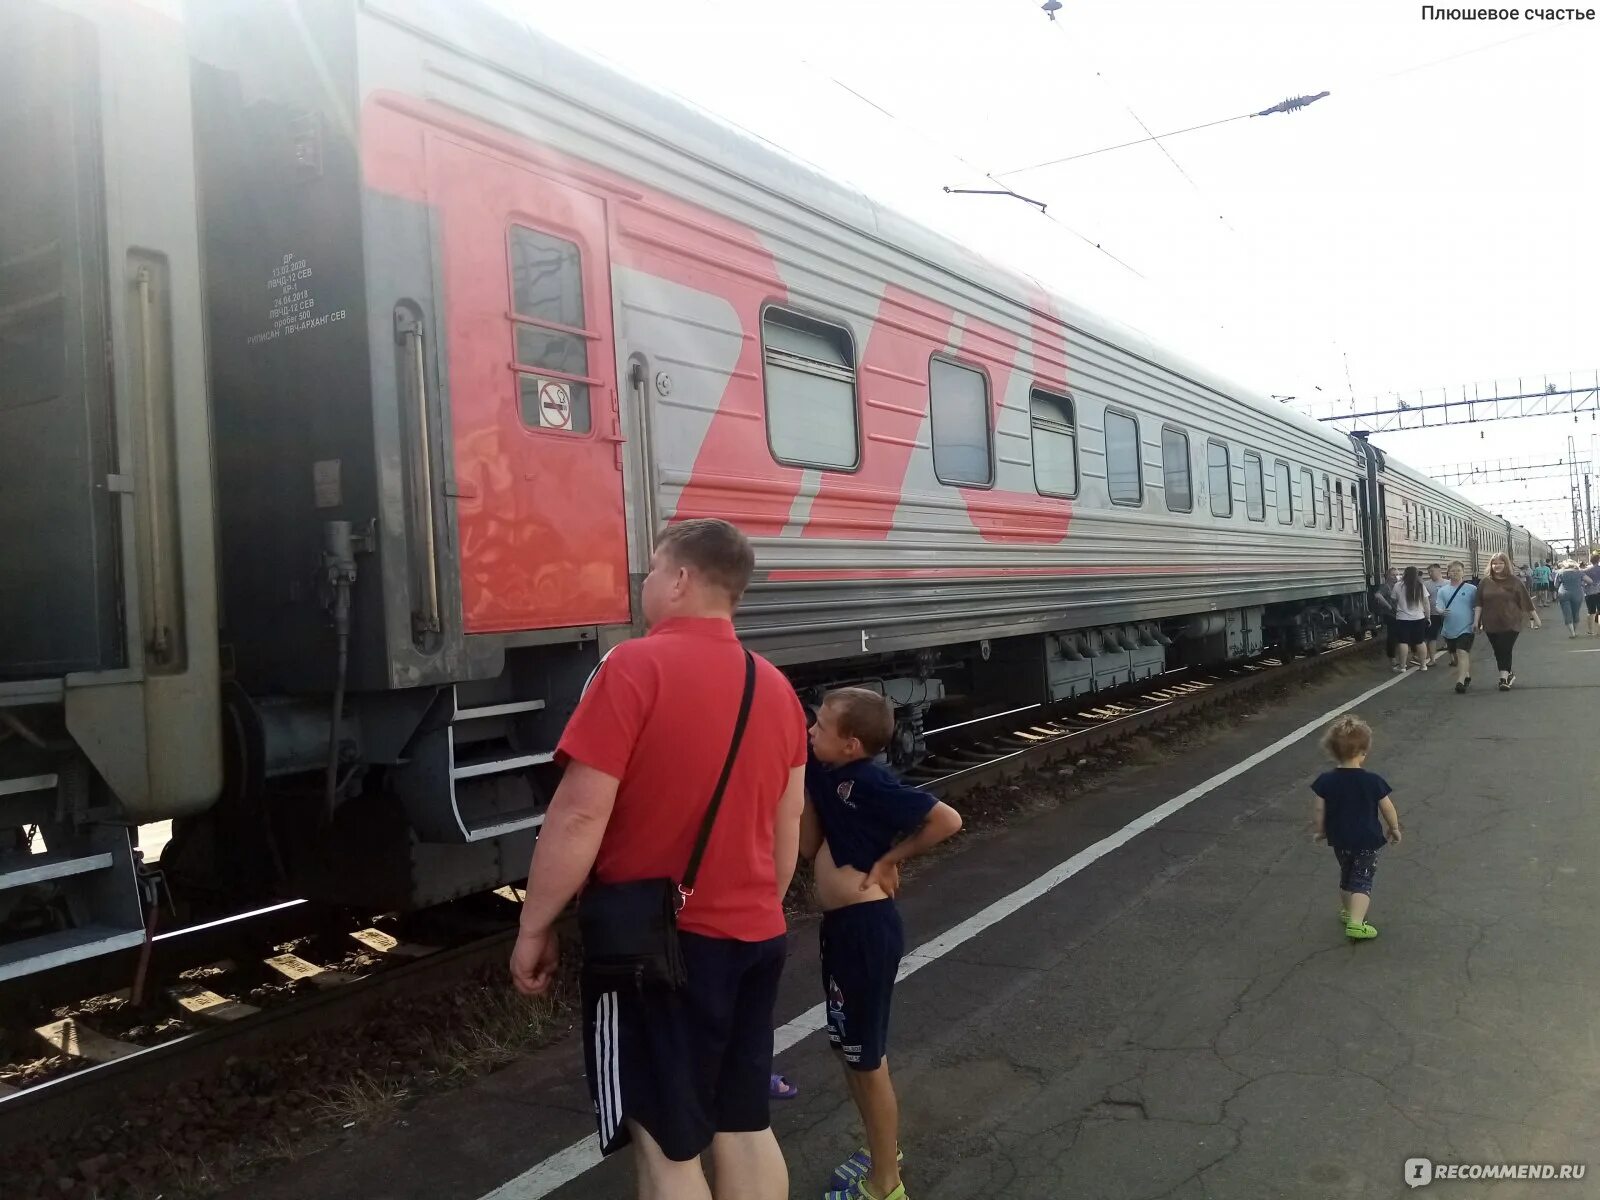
(382, 336)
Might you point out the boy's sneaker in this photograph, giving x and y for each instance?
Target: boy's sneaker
(1360, 932)
(856, 1168)
(861, 1190)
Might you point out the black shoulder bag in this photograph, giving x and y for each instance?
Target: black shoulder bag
(630, 930)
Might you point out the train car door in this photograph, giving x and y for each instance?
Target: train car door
(531, 373)
(59, 588)
(1383, 528)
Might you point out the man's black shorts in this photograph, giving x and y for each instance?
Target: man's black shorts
(861, 949)
(1592, 603)
(1464, 642)
(690, 1064)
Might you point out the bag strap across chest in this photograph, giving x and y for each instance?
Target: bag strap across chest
(692, 871)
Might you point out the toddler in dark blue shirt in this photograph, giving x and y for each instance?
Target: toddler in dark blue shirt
(1355, 815)
(860, 824)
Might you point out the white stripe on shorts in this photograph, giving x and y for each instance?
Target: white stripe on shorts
(613, 1084)
(601, 1098)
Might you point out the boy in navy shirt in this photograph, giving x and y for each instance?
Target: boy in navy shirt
(860, 824)
(1355, 815)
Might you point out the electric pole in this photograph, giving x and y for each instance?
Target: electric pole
(1588, 520)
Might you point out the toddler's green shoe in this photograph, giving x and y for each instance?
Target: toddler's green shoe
(1360, 932)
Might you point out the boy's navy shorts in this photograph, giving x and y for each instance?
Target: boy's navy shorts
(689, 1064)
(861, 949)
(1356, 868)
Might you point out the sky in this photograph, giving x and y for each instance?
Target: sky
(1428, 225)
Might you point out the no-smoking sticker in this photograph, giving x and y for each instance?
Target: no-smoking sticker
(555, 406)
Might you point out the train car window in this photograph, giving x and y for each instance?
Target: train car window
(810, 385)
(1338, 495)
(1124, 474)
(1327, 503)
(1285, 494)
(1308, 489)
(1255, 492)
(551, 333)
(1219, 479)
(1176, 478)
(1055, 444)
(960, 400)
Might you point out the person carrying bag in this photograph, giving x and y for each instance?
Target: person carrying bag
(630, 930)
(672, 766)
(1455, 602)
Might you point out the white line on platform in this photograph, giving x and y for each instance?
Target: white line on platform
(563, 1167)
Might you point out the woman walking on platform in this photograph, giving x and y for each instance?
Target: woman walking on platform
(1454, 604)
(1591, 593)
(1503, 604)
(1411, 619)
(1570, 586)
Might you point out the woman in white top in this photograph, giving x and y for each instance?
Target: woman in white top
(1411, 619)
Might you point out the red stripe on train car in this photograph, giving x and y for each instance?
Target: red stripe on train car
(906, 331)
(1000, 515)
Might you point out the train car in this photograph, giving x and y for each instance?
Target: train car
(1425, 522)
(108, 648)
(479, 317)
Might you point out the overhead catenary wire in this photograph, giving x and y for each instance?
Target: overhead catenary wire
(1151, 136)
(944, 148)
(1298, 103)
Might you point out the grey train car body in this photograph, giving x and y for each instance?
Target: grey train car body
(282, 415)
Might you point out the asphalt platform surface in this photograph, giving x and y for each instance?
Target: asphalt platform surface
(1184, 1018)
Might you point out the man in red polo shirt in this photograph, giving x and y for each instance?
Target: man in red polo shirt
(678, 1072)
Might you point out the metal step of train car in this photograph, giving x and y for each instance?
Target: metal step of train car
(467, 778)
(67, 893)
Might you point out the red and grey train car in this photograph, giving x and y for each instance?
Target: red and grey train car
(353, 352)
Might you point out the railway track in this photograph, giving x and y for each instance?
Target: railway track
(218, 1026)
(967, 756)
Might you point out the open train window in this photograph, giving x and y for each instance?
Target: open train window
(1255, 491)
(960, 399)
(1285, 493)
(1055, 443)
(1176, 480)
(1338, 496)
(810, 386)
(1308, 488)
(1327, 503)
(1219, 479)
(1124, 471)
(552, 335)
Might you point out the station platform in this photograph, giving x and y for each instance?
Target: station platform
(1173, 1009)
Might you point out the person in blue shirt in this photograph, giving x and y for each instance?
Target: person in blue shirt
(860, 824)
(1453, 603)
(1355, 814)
(1542, 578)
